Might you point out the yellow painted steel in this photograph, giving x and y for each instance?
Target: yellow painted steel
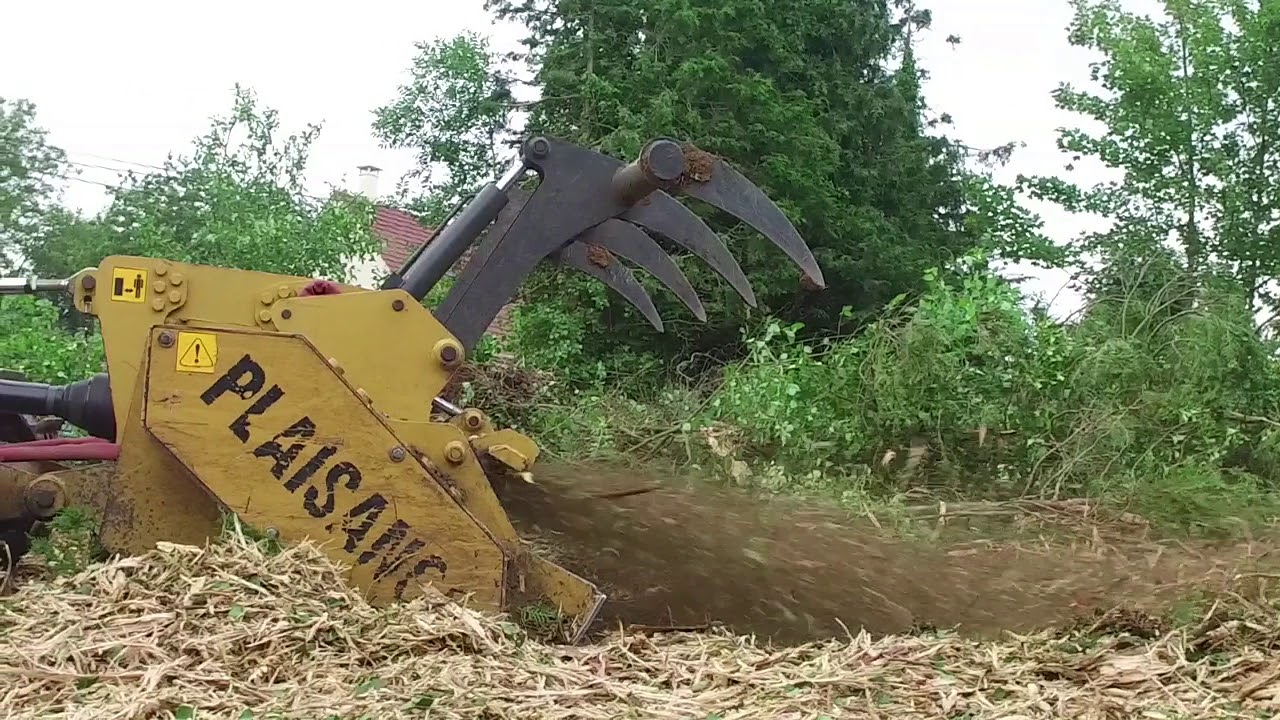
(282, 440)
(309, 414)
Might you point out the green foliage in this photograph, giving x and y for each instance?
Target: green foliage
(965, 394)
(29, 168)
(71, 544)
(1186, 106)
(800, 101)
(913, 371)
(1003, 227)
(454, 112)
(563, 337)
(35, 343)
(237, 201)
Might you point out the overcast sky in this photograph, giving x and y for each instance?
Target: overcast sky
(122, 84)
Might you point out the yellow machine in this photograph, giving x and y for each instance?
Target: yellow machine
(310, 409)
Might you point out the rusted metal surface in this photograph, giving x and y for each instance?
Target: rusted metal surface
(598, 256)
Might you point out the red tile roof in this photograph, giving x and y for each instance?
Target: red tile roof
(401, 234)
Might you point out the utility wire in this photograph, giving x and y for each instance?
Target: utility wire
(121, 188)
(80, 179)
(117, 160)
(164, 173)
(101, 167)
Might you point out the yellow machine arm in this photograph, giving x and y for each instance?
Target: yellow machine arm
(305, 406)
(308, 415)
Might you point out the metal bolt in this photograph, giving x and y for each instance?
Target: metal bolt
(397, 305)
(264, 316)
(448, 352)
(175, 296)
(454, 452)
(286, 313)
(158, 286)
(157, 304)
(396, 454)
(539, 148)
(176, 278)
(44, 498)
(166, 339)
(88, 282)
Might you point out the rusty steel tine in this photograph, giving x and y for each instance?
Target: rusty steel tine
(667, 216)
(630, 242)
(715, 182)
(598, 263)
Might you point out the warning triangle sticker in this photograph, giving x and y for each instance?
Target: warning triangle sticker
(197, 352)
(196, 355)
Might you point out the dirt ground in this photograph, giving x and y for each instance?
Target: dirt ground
(689, 554)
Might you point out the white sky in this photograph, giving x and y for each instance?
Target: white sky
(129, 81)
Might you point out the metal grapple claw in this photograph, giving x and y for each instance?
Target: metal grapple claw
(589, 210)
(600, 264)
(665, 216)
(631, 243)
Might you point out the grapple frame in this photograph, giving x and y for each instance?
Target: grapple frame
(587, 208)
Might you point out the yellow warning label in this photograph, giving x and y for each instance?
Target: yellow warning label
(197, 352)
(129, 285)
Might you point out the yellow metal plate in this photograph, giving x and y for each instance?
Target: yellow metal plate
(283, 441)
(197, 352)
(129, 285)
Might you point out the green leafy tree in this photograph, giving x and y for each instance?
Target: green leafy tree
(1189, 109)
(801, 101)
(820, 105)
(455, 113)
(238, 200)
(29, 169)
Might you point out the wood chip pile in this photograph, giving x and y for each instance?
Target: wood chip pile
(231, 631)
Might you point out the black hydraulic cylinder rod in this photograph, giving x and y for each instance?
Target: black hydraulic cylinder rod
(431, 264)
(85, 404)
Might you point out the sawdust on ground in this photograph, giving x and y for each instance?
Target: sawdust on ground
(230, 632)
(688, 554)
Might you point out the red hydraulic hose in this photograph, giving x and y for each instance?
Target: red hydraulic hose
(59, 449)
(61, 441)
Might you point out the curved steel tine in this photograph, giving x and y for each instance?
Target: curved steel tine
(668, 217)
(718, 183)
(628, 241)
(603, 267)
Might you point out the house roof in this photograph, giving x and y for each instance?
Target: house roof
(401, 235)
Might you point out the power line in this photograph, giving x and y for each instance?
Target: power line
(164, 174)
(80, 179)
(100, 167)
(117, 160)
